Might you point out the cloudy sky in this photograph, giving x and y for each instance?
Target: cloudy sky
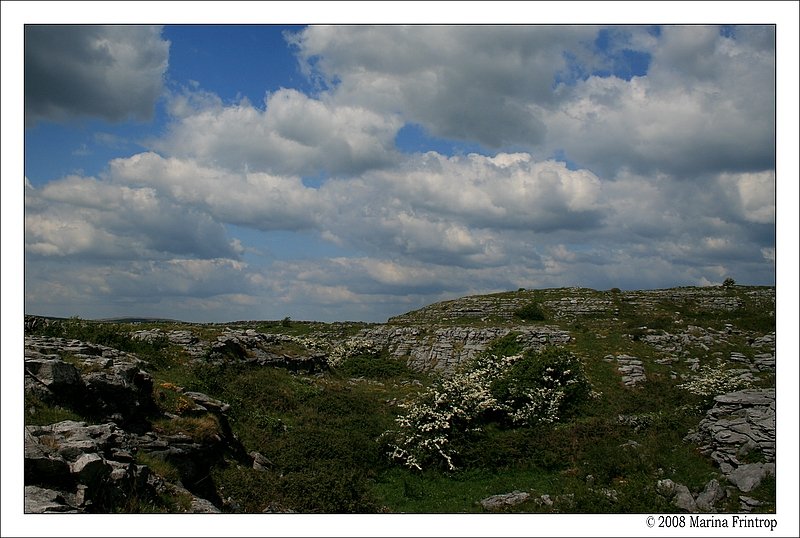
(334, 172)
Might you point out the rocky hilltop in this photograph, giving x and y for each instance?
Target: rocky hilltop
(108, 431)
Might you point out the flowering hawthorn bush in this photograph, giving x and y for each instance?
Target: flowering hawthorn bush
(542, 387)
(521, 389)
(712, 381)
(352, 347)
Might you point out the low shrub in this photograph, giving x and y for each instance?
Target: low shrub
(323, 490)
(41, 413)
(541, 386)
(505, 346)
(169, 398)
(354, 347)
(159, 466)
(252, 490)
(373, 367)
(530, 312)
(712, 381)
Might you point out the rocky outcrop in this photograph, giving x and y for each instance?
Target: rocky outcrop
(505, 500)
(683, 499)
(191, 344)
(705, 298)
(78, 467)
(266, 350)
(443, 349)
(74, 466)
(476, 308)
(102, 381)
(738, 433)
(630, 368)
(570, 308)
(108, 460)
(246, 345)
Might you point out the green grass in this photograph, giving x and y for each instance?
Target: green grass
(382, 367)
(404, 491)
(39, 413)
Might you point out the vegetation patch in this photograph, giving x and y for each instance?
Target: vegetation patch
(40, 413)
(530, 312)
(381, 367)
(203, 429)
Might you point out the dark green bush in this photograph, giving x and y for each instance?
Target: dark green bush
(497, 448)
(381, 367)
(251, 489)
(530, 312)
(342, 490)
(552, 368)
(505, 346)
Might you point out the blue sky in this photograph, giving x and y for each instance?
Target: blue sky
(224, 172)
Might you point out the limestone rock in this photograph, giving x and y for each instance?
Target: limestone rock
(90, 468)
(679, 494)
(740, 422)
(711, 494)
(45, 501)
(749, 476)
(666, 487)
(208, 403)
(443, 349)
(55, 374)
(683, 499)
(107, 381)
(498, 502)
(260, 462)
(631, 369)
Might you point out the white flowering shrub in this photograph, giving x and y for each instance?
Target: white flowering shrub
(442, 417)
(352, 347)
(451, 408)
(541, 387)
(336, 354)
(712, 381)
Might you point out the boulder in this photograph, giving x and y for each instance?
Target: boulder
(740, 423)
(749, 476)
(499, 502)
(45, 501)
(90, 469)
(711, 494)
(679, 494)
(101, 380)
